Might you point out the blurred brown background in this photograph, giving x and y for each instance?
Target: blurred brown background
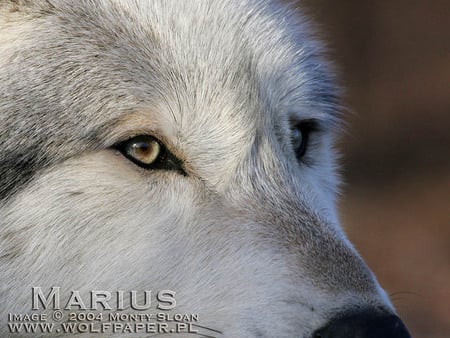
(394, 60)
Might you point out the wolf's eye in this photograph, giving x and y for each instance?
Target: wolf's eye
(147, 152)
(300, 137)
(143, 150)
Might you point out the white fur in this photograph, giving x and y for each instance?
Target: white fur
(249, 238)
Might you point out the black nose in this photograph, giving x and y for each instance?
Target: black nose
(366, 324)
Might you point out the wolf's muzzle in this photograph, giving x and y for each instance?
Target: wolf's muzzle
(367, 324)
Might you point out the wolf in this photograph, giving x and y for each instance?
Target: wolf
(176, 159)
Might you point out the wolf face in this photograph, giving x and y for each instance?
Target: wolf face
(177, 145)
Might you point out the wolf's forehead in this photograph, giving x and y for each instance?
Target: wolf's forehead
(206, 60)
(217, 67)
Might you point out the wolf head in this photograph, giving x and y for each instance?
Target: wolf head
(179, 145)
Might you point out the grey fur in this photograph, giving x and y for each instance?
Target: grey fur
(219, 82)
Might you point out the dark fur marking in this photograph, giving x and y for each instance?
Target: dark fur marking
(18, 169)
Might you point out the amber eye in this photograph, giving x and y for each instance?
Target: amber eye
(143, 149)
(147, 152)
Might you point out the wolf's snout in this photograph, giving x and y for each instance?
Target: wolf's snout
(367, 324)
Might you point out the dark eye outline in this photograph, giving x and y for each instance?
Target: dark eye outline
(305, 127)
(164, 161)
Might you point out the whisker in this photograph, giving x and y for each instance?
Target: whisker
(207, 328)
(404, 293)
